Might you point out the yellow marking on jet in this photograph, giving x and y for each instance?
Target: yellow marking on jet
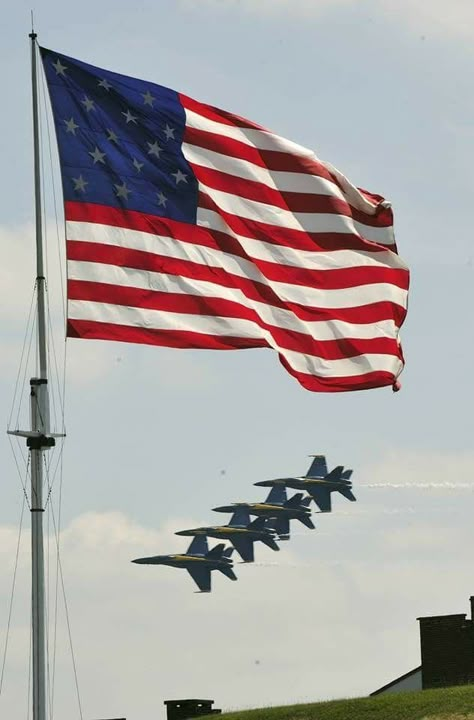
(266, 506)
(236, 530)
(188, 558)
(228, 530)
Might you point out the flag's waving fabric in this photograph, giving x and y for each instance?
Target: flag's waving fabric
(191, 227)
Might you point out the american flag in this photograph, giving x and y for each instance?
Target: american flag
(190, 227)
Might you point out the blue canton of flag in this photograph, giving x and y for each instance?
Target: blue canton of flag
(120, 140)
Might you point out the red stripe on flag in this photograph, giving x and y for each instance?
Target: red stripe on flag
(91, 330)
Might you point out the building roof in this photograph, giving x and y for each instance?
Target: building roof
(457, 616)
(397, 680)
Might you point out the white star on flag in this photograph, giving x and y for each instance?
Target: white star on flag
(162, 199)
(71, 126)
(88, 104)
(148, 98)
(122, 191)
(154, 149)
(60, 69)
(169, 132)
(105, 84)
(80, 183)
(97, 156)
(129, 117)
(180, 177)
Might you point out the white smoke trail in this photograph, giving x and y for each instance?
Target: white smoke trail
(423, 486)
(375, 511)
(277, 564)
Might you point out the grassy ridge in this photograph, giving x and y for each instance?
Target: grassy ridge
(446, 704)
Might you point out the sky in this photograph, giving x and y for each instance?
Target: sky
(157, 437)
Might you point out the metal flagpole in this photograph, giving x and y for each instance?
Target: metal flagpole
(39, 439)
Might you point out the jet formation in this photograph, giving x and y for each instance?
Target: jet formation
(272, 523)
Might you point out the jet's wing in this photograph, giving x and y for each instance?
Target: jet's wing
(322, 498)
(240, 517)
(244, 547)
(318, 467)
(201, 576)
(347, 494)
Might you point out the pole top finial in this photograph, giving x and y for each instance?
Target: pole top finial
(32, 34)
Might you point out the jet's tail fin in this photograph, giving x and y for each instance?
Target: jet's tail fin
(216, 552)
(198, 546)
(257, 524)
(228, 552)
(318, 467)
(346, 475)
(281, 526)
(228, 572)
(240, 517)
(270, 542)
(277, 495)
(306, 520)
(306, 502)
(294, 501)
(335, 474)
(347, 494)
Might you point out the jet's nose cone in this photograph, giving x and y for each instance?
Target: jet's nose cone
(147, 561)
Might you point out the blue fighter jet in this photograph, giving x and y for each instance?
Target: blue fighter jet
(198, 560)
(277, 508)
(318, 483)
(240, 532)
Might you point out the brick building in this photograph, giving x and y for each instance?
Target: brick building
(447, 649)
(447, 655)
